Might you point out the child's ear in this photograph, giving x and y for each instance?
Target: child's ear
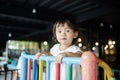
(75, 34)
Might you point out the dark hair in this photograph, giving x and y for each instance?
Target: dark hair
(62, 21)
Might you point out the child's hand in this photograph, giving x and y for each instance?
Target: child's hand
(38, 55)
(59, 57)
(42, 54)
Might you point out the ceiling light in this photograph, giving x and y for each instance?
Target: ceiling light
(111, 26)
(9, 35)
(34, 10)
(96, 43)
(79, 39)
(45, 43)
(101, 24)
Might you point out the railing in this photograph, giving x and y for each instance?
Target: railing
(88, 62)
(108, 74)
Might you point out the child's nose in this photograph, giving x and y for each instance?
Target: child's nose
(63, 32)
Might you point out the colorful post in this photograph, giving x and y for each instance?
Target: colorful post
(34, 69)
(47, 70)
(37, 72)
(89, 66)
(69, 71)
(57, 71)
(24, 68)
(29, 70)
(40, 70)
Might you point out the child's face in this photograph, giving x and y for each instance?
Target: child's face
(65, 34)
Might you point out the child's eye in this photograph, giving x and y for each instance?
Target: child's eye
(59, 31)
(68, 30)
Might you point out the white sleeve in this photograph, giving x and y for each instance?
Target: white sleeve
(74, 49)
(54, 50)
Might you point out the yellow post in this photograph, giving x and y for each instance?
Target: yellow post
(40, 70)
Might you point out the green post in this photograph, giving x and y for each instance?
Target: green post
(69, 71)
(37, 73)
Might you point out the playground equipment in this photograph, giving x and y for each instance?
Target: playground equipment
(108, 75)
(88, 61)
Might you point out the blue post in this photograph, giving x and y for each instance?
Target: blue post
(24, 68)
(34, 69)
(47, 70)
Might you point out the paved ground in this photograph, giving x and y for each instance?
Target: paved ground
(2, 76)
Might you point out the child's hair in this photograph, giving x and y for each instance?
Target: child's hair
(62, 21)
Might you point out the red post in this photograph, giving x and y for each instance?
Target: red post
(57, 71)
(89, 66)
(29, 70)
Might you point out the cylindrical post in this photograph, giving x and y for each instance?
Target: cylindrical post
(89, 66)
(37, 72)
(40, 70)
(57, 71)
(69, 71)
(29, 70)
(47, 70)
(24, 68)
(34, 70)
